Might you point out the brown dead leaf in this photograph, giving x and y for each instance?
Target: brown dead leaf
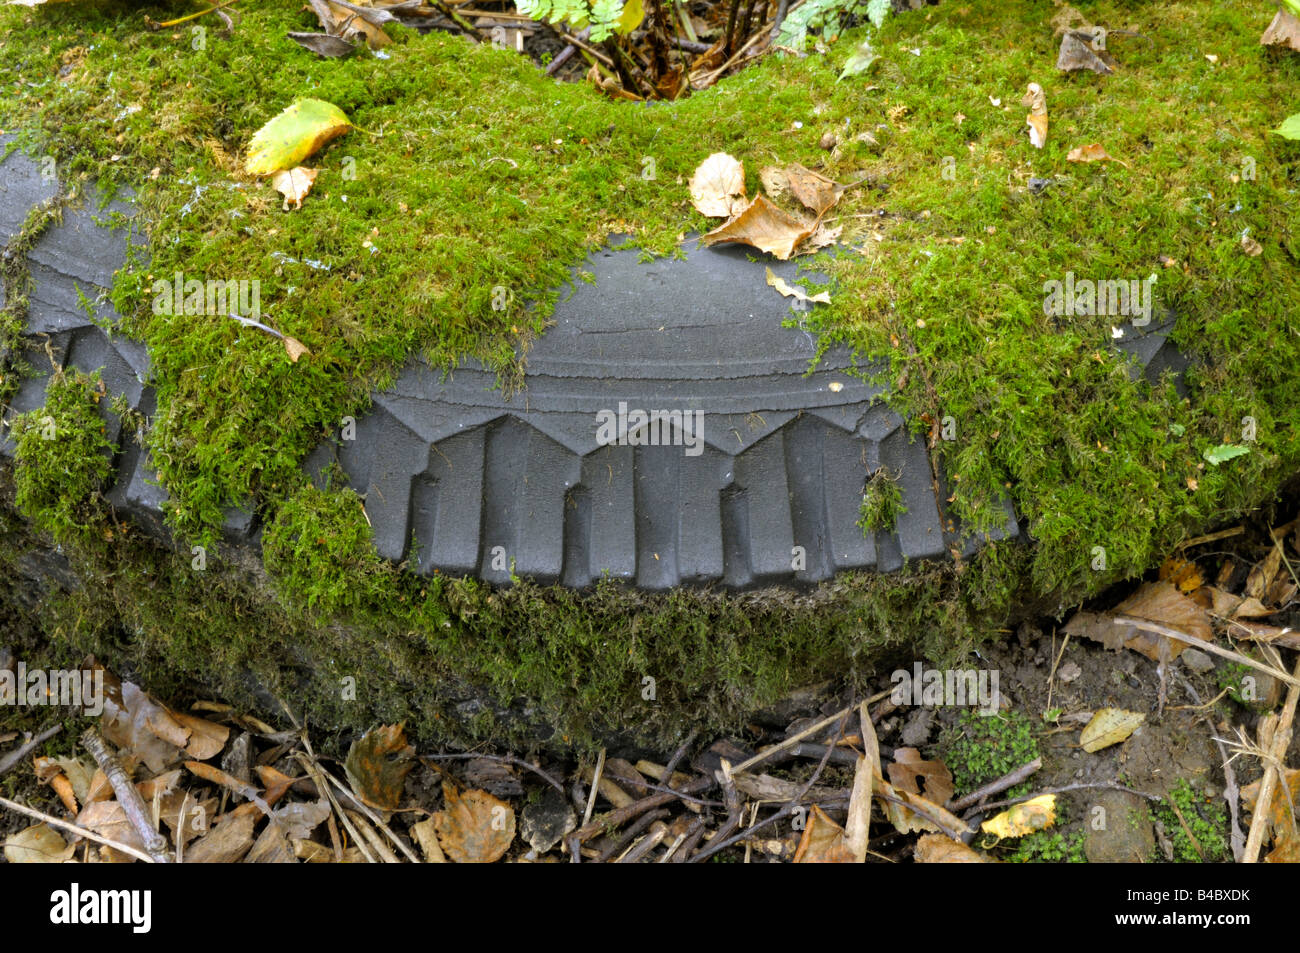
(718, 186)
(1093, 152)
(426, 833)
(813, 190)
(1228, 606)
(206, 738)
(474, 828)
(822, 842)
(227, 842)
(1283, 31)
(378, 764)
(1077, 52)
(1281, 818)
(908, 769)
(294, 184)
(107, 819)
(295, 348)
(763, 226)
(1262, 574)
(937, 849)
(39, 844)
(1161, 602)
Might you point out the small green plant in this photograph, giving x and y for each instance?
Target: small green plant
(1050, 847)
(980, 748)
(882, 503)
(63, 455)
(605, 17)
(827, 17)
(1232, 679)
(1206, 820)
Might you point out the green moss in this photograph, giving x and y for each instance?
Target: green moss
(1049, 847)
(882, 503)
(63, 456)
(980, 749)
(1207, 820)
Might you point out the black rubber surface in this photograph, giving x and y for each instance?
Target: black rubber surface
(461, 478)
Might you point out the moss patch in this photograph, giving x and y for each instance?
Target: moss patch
(63, 456)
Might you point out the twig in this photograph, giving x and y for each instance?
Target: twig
(801, 735)
(1051, 678)
(1272, 773)
(9, 761)
(561, 58)
(1104, 785)
(73, 828)
(374, 818)
(503, 759)
(152, 25)
(128, 797)
(995, 787)
(718, 843)
(1210, 647)
(309, 763)
(1212, 537)
(594, 789)
(633, 831)
(622, 815)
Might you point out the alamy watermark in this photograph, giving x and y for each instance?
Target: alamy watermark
(71, 687)
(1129, 297)
(653, 428)
(192, 296)
(947, 687)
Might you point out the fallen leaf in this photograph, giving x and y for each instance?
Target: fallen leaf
(324, 44)
(937, 849)
(294, 184)
(1286, 798)
(1181, 573)
(763, 226)
(107, 819)
(822, 841)
(377, 766)
(908, 769)
(1077, 53)
(1262, 573)
(794, 291)
(1290, 128)
(1024, 818)
(296, 133)
(813, 190)
(1161, 602)
(1251, 247)
(857, 828)
(1093, 152)
(227, 842)
(1109, 726)
(474, 828)
(426, 833)
(39, 844)
(294, 348)
(859, 61)
(718, 186)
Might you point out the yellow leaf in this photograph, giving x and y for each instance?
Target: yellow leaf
(1024, 818)
(794, 291)
(1108, 727)
(293, 135)
(633, 14)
